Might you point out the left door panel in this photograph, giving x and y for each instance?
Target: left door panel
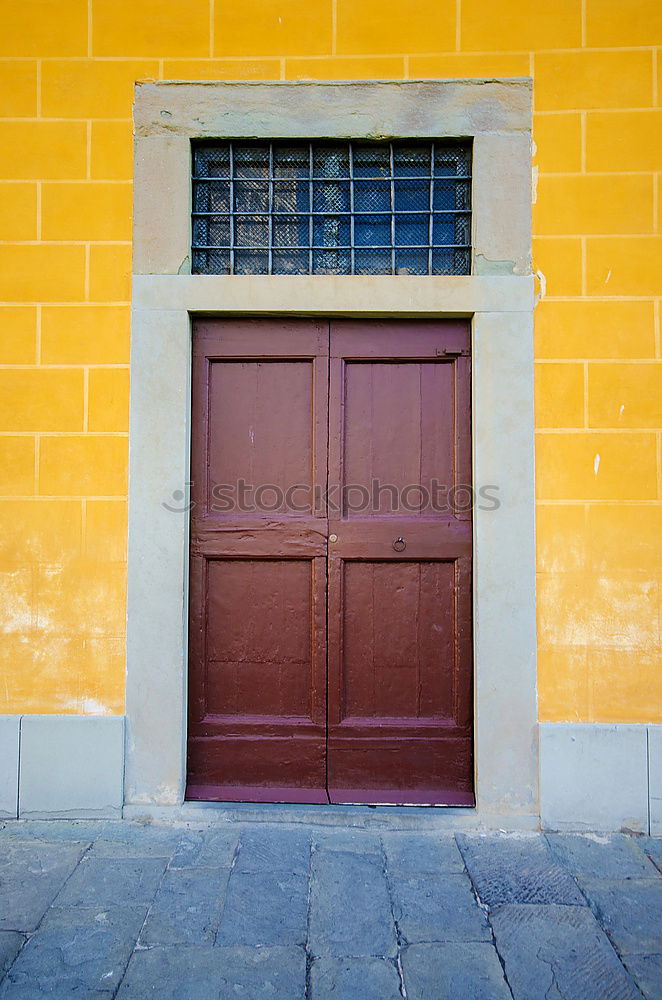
(257, 691)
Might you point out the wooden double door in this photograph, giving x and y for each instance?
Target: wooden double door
(330, 571)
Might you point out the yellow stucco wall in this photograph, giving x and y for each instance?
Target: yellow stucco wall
(66, 78)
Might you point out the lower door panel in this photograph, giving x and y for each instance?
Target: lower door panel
(257, 714)
(399, 712)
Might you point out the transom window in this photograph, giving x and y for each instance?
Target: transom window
(325, 207)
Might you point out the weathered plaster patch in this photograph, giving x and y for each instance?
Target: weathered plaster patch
(542, 286)
(583, 610)
(89, 706)
(16, 600)
(483, 265)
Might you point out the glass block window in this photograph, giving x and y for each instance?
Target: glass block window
(329, 207)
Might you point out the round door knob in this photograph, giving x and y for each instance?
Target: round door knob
(399, 544)
(333, 538)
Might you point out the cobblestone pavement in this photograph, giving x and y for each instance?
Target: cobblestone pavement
(288, 912)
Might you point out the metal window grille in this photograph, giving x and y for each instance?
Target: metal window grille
(327, 207)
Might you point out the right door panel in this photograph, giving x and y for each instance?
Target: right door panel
(400, 644)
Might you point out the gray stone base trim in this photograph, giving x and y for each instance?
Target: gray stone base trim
(413, 818)
(655, 779)
(593, 777)
(10, 727)
(67, 766)
(601, 777)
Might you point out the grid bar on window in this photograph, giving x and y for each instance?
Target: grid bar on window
(310, 208)
(364, 246)
(431, 210)
(271, 208)
(349, 214)
(392, 194)
(331, 207)
(351, 209)
(318, 177)
(231, 209)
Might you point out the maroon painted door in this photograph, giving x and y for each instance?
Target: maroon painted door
(330, 643)
(400, 647)
(257, 638)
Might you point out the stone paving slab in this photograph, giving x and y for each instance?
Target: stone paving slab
(187, 907)
(124, 840)
(352, 841)
(652, 847)
(11, 943)
(516, 869)
(559, 953)
(630, 910)
(55, 830)
(215, 848)
(264, 909)
(77, 952)
(262, 973)
(646, 970)
(431, 908)
(350, 908)
(407, 852)
(453, 971)
(31, 875)
(172, 974)
(273, 850)
(601, 856)
(198, 973)
(354, 979)
(113, 882)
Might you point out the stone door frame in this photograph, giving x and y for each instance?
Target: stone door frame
(497, 297)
